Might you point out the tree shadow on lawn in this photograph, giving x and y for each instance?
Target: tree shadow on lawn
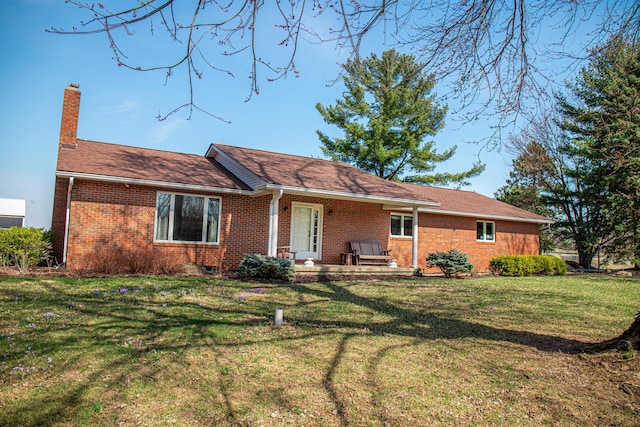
(420, 326)
(108, 338)
(156, 329)
(423, 325)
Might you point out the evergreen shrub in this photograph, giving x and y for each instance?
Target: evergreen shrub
(452, 263)
(256, 266)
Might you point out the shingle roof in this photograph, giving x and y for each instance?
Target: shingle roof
(111, 161)
(144, 164)
(310, 173)
(469, 202)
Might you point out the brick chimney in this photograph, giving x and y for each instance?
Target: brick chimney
(70, 113)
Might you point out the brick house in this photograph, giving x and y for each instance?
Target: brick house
(217, 207)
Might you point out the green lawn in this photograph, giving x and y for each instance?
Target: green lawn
(201, 351)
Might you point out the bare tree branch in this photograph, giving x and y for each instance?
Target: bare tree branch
(496, 53)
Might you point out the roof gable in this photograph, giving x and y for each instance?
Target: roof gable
(275, 170)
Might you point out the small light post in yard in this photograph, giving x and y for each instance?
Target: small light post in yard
(277, 318)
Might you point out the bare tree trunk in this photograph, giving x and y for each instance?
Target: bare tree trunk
(585, 259)
(630, 337)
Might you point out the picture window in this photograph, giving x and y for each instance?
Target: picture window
(187, 218)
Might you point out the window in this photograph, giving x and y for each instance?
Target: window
(486, 231)
(187, 218)
(401, 225)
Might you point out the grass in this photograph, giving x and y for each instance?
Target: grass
(194, 351)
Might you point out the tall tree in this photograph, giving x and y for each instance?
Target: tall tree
(547, 159)
(524, 190)
(497, 48)
(386, 113)
(601, 124)
(603, 117)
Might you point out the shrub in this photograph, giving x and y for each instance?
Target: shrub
(23, 247)
(549, 265)
(508, 265)
(255, 266)
(527, 265)
(451, 263)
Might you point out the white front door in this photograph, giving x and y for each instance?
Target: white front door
(306, 230)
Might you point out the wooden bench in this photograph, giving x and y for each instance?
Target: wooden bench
(369, 252)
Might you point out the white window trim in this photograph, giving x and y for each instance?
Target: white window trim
(484, 230)
(402, 216)
(171, 216)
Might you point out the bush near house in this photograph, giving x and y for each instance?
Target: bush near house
(452, 263)
(23, 247)
(256, 266)
(527, 265)
(114, 260)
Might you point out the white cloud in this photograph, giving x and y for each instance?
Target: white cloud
(166, 129)
(128, 107)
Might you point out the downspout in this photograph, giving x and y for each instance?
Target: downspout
(414, 240)
(273, 223)
(66, 222)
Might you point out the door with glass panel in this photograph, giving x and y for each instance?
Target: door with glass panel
(306, 230)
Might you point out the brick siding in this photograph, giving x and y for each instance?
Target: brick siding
(123, 216)
(117, 215)
(352, 220)
(446, 232)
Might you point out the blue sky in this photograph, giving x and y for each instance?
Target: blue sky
(120, 105)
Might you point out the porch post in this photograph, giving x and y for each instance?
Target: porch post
(274, 207)
(414, 240)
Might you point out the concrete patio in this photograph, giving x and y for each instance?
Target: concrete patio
(324, 270)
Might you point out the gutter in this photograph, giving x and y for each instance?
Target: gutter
(339, 195)
(66, 222)
(476, 215)
(151, 183)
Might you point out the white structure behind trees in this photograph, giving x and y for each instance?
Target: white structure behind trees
(12, 212)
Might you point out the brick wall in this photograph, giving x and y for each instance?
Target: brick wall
(117, 214)
(445, 232)
(350, 220)
(342, 221)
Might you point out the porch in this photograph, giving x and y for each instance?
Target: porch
(325, 270)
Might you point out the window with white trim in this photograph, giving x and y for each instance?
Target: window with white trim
(486, 231)
(401, 225)
(187, 218)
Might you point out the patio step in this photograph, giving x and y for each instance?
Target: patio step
(352, 270)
